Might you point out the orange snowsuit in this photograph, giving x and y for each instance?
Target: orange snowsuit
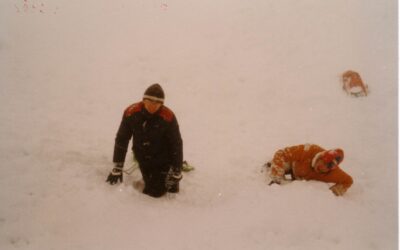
(300, 162)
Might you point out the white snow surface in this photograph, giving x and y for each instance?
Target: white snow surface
(244, 78)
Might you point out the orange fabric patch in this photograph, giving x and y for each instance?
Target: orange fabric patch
(166, 114)
(134, 108)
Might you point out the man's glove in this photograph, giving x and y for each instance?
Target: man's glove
(115, 174)
(338, 189)
(172, 180)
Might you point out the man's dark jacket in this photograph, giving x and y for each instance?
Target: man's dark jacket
(157, 142)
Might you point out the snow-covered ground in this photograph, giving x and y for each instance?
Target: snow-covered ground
(244, 78)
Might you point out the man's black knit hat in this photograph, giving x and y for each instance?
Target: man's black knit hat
(154, 93)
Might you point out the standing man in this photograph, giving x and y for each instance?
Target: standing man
(157, 144)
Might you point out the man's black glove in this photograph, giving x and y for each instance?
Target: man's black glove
(172, 180)
(115, 174)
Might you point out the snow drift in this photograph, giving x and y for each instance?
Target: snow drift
(243, 78)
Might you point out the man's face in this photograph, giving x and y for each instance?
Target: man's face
(151, 106)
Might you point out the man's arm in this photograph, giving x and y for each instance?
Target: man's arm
(122, 139)
(176, 145)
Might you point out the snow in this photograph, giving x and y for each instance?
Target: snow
(244, 78)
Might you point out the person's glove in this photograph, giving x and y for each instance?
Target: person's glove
(172, 180)
(274, 182)
(115, 174)
(338, 189)
(279, 180)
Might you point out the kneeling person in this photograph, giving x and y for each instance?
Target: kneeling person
(157, 144)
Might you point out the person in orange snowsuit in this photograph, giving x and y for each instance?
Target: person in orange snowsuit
(310, 162)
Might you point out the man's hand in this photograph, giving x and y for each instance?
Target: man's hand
(115, 174)
(172, 180)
